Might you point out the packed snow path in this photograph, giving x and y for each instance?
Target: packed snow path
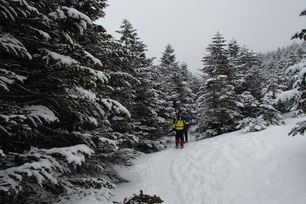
(267, 167)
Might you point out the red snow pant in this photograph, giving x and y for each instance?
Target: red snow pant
(179, 137)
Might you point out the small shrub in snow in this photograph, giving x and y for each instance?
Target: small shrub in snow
(142, 199)
(270, 114)
(148, 146)
(252, 124)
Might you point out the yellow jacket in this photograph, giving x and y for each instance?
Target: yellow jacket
(179, 123)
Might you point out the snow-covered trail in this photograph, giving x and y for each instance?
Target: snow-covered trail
(266, 167)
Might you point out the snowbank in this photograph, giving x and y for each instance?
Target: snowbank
(266, 167)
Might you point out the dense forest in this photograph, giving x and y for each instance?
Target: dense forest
(75, 101)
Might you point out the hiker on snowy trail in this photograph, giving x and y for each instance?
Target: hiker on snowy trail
(179, 125)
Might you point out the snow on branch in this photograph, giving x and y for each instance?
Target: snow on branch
(7, 11)
(44, 166)
(10, 9)
(1, 153)
(12, 45)
(92, 58)
(110, 143)
(11, 121)
(23, 117)
(82, 93)
(115, 105)
(124, 77)
(60, 59)
(73, 13)
(97, 74)
(300, 129)
(252, 124)
(39, 112)
(73, 155)
(299, 68)
(98, 189)
(287, 96)
(44, 34)
(26, 5)
(7, 78)
(65, 13)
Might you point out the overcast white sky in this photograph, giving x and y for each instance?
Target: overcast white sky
(189, 25)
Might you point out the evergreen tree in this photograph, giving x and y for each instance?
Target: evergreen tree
(150, 126)
(187, 95)
(233, 49)
(174, 91)
(249, 73)
(134, 48)
(168, 58)
(275, 82)
(258, 113)
(293, 59)
(195, 85)
(299, 87)
(302, 34)
(218, 103)
(56, 102)
(162, 105)
(130, 40)
(141, 95)
(168, 72)
(297, 94)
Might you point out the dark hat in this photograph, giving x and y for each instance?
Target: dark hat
(179, 112)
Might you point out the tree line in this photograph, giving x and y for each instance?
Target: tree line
(244, 90)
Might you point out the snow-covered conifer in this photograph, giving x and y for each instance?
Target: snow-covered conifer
(130, 40)
(218, 102)
(56, 92)
(168, 72)
(297, 93)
